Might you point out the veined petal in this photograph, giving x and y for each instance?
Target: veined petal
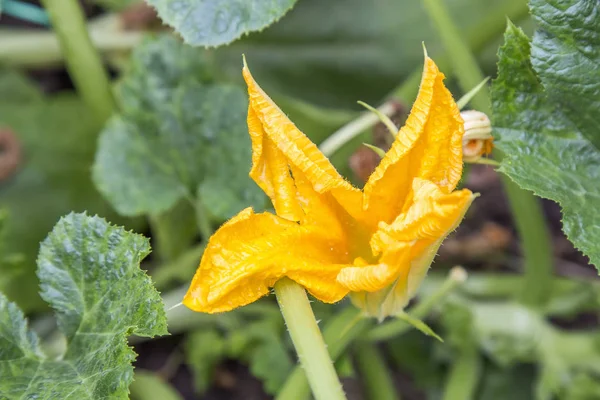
(271, 172)
(380, 290)
(432, 214)
(249, 253)
(428, 146)
(406, 248)
(265, 119)
(370, 278)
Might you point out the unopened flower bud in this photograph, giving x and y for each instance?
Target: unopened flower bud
(477, 140)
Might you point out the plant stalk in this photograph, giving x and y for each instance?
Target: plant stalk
(340, 331)
(376, 379)
(83, 61)
(529, 218)
(464, 374)
(308, 341)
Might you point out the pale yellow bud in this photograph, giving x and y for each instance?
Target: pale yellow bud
(477, 140)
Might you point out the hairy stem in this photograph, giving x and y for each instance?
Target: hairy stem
(307, 339)
(83, 61)
(529, 218)
(339, 332)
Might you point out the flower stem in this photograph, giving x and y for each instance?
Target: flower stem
(339, 332)
(376, 379)
(83, 61)
(308, 341)
(529, 218)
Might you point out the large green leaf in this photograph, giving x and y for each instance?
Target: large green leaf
(218, 22)
(177, 137)
(90, 275)
(546, 141)
(57, 137)
(566, 56)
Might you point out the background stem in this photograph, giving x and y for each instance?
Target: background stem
(464, 374)
(83, 61)
(529, 218)
(307, 339)
(377, 382)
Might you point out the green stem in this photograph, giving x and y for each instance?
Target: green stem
(376, 379)
(83, 61)
(396, 327)
(464, 374)
(529, 218)
(536, 289)
(339, 332)
(38, 49)
(308, 341)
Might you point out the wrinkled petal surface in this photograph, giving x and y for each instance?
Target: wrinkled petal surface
(277, 146)
(428, 146)
(406, 247)
(249, 253)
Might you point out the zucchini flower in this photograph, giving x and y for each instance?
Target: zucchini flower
(332, 238)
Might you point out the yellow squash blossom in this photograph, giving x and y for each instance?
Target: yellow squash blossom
(328, 236)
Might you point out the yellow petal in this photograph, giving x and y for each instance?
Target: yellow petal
(406, 247)
(268, 124)
(370, 278)
(428, 146)
(380, 290)
(248, 254)
(271, 172)
(431, 216)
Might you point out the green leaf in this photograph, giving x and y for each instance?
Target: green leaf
(177, 137)
(212, 23)
(507, 383)
(204, 350)
(546, 142)
(52, 177)
(271, 363)
(89, 274)
(566, 56)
